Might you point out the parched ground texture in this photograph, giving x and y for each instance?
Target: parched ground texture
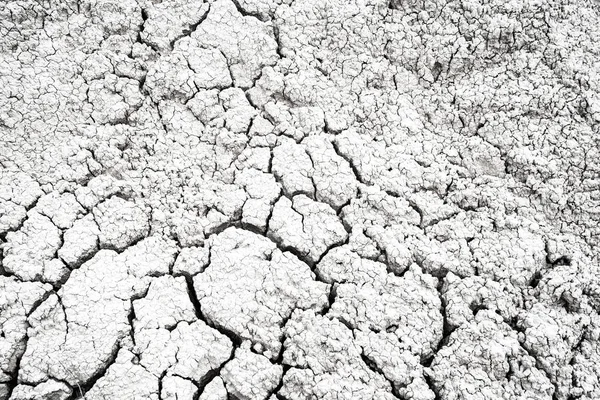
(299, 199)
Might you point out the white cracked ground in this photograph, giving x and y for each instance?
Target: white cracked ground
(294, 200)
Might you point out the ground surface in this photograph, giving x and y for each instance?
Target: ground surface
(293, 200)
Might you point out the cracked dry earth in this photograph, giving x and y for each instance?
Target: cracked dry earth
(294, 200)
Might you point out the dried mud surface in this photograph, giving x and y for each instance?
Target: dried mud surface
(299, 199)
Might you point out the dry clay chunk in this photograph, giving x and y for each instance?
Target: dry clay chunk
(29, 252)
(251, 287)
(176, 388)
(191, 261)
(80, 241)
(50, 389)
(262, 192)
(121, 223)
(293, 167)
(165, 305)
(334, 180)
(250, 376)
(308, 226)
(215, 390)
